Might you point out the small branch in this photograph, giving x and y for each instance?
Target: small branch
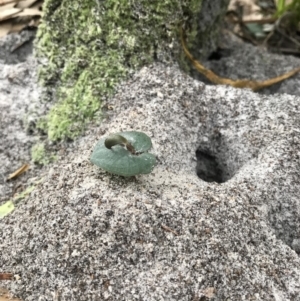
(168, 229)
(6, 276)
(243, 83)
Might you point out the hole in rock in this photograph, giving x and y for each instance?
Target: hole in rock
(208, 168)
(219, 54)
(218, 157)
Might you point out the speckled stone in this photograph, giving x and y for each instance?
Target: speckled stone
(84, 234)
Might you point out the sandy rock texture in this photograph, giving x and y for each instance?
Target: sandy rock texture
(19, 109)
(84, 234)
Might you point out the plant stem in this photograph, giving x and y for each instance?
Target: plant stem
(116, 139)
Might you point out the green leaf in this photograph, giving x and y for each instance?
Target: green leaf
(6, 208)
(118, 160)
(256, 30)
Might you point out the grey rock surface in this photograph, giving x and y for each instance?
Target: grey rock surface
(20, 109)
(86, 235)
(16, 47)
(208, 27)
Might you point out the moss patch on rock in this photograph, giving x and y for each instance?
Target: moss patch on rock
(40, 155)
(90, 46)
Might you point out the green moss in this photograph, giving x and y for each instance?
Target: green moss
(40, 156)
(92, 45)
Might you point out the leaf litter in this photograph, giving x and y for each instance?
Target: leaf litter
(15, 15)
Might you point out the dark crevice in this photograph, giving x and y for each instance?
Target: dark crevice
(216, 160)
(219, 54)
(208, 168)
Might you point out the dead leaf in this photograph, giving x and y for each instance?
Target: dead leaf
(28, 12)
(3, 2)
(6, 276)
(7, 14)
(250, 9)
(25, 3)
(6, 7)
(18, 172)
(18, 26)
(5, 28)
(38, 4)
(18, 14)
